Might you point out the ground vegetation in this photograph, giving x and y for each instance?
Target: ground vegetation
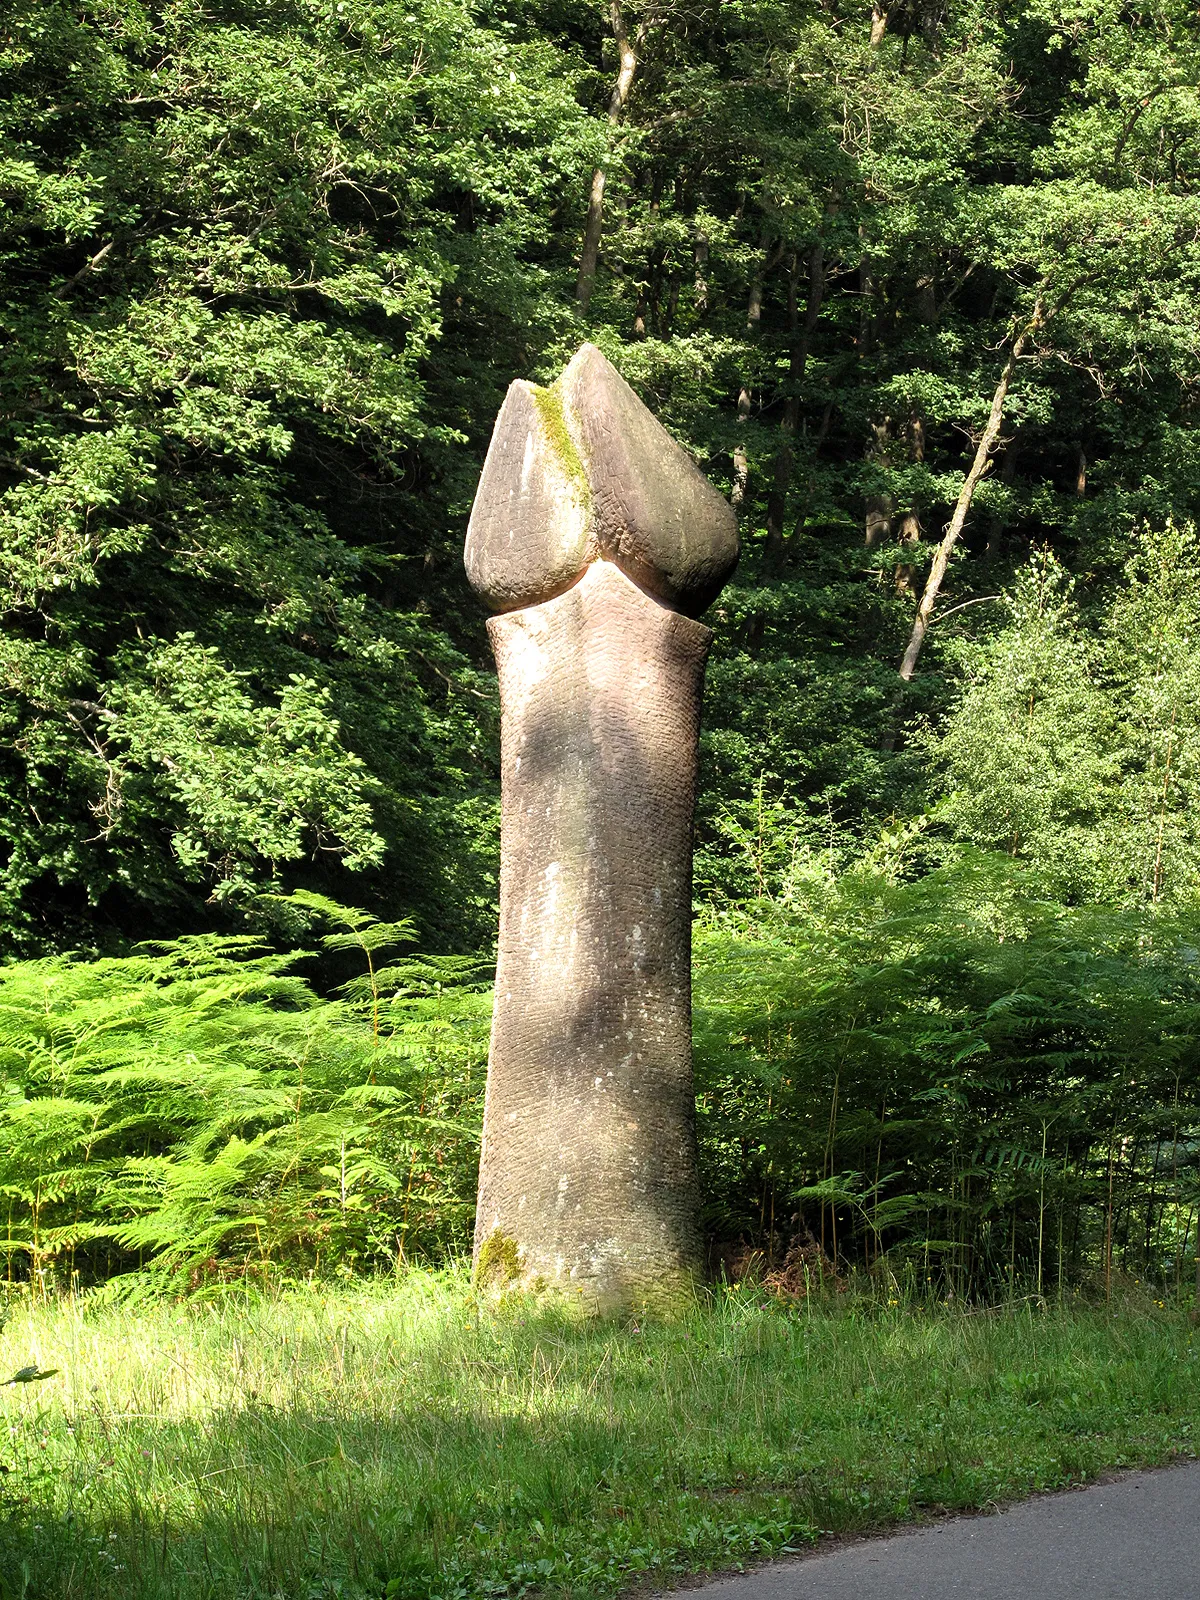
(358, 1440)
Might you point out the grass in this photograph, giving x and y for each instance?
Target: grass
(392, 1439)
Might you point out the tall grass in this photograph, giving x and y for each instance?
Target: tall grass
(396, 1439)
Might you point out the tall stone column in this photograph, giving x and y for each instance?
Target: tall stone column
(597, 541)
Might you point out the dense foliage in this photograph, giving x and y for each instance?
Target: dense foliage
(952, 1080)
(900, 275)
(196, 1109)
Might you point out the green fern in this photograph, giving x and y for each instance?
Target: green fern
(195, 1109)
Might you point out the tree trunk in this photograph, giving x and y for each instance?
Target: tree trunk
(589, 254)
(983, 452)
(769, 257)
(909, 531)
(801, 341)
(905, 574)
(880, 508)
(741, 461)
(700, 256)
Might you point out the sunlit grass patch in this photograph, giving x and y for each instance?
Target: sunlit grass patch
(396, 1439)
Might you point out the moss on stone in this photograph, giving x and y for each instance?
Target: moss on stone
(499, 1262)
(551, 411)
(674, 1295)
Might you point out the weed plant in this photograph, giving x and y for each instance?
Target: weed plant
(397, 1439)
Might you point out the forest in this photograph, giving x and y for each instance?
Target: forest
(917, 284)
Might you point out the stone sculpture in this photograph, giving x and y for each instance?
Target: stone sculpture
(596, 541)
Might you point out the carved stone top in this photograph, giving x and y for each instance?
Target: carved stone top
(583, 472)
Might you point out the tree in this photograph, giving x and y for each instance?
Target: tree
(1074, 743)
(268, 273)
(229, 242)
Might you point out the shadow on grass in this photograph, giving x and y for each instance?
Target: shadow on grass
(494, 1456)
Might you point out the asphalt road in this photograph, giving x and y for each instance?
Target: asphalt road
(1137, 1537)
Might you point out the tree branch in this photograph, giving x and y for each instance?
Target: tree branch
(88, 266)
(991, 433)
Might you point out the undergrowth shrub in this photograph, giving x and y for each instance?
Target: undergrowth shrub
(925, 1071)
(941, 1074)
(196, 1109)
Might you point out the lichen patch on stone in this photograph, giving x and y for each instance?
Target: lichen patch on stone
(498, 1263)
(553, 415)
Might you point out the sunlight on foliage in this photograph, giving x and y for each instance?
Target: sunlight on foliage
(195, 1109)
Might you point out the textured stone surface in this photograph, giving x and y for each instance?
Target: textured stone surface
(583, 472)
(597, 540)
(589, 1161)
(529, 534)
(653, 511)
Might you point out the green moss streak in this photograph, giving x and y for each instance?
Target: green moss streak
(553, 415)
(499, 1262)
